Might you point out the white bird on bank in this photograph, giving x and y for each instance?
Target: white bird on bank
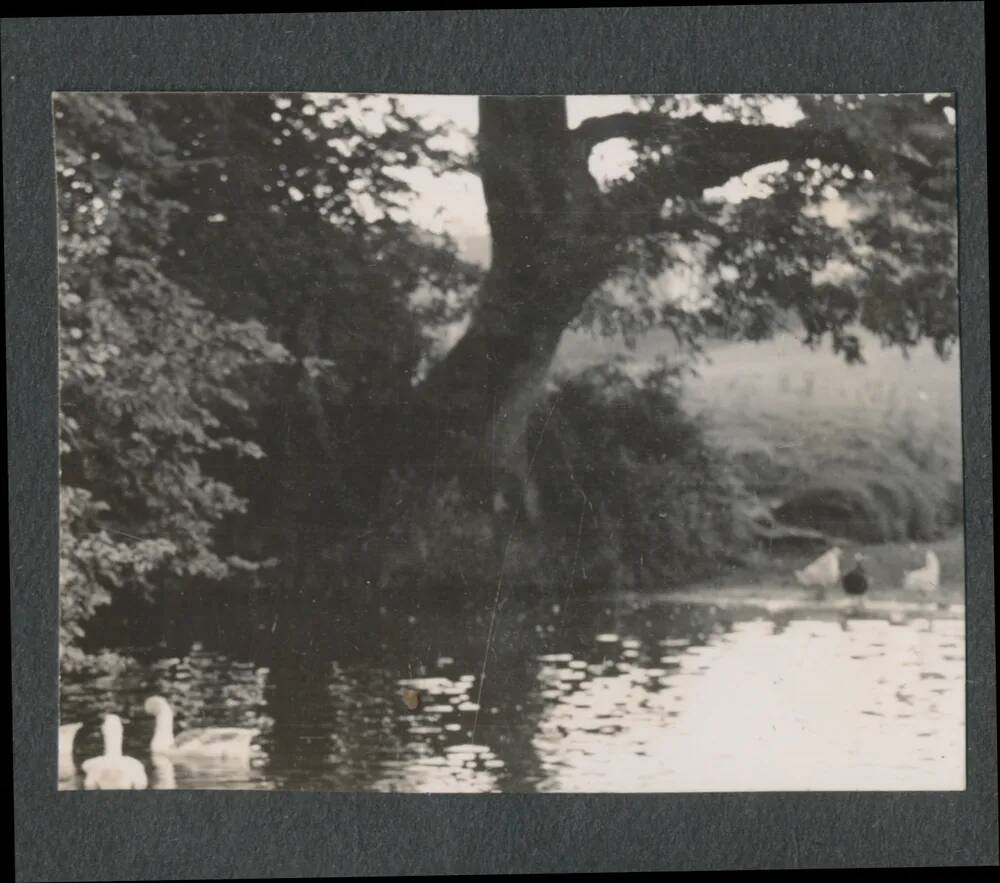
(207, 743)
(824, 572)
(926, 580)
(67, 736)
(113, 771)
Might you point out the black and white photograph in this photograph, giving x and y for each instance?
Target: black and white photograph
(509, 443)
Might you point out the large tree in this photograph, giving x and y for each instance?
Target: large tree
(559, 238)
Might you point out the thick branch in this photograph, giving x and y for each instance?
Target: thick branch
(638, 126)
(704, 154)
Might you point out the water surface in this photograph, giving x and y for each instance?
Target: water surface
(603, 697)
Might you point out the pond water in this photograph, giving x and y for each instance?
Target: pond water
(602, 697)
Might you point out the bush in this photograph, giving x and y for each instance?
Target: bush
(631, 492)
(447, 543)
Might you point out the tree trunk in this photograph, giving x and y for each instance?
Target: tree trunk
(540, 202)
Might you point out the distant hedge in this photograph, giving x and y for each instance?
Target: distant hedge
(903, 483)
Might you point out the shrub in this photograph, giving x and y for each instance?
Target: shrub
(446, 543)
(631, 492)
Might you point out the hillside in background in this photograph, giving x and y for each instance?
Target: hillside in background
(870, 452)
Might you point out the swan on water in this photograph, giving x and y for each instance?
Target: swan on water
(113, 770)
(217, 743)
(67, 736)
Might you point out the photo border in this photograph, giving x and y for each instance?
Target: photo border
(903, 47)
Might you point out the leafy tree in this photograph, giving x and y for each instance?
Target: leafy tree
(189, 247)
(148, 375)
(562, 243)
(299, 220)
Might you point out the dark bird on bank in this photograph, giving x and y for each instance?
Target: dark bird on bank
(855, 581)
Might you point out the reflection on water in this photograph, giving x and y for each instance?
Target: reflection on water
(630, 697)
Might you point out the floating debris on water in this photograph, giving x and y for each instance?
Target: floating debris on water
(566, 674)
(556, 657)
(434, 685)
(469, 748)
(439, 709)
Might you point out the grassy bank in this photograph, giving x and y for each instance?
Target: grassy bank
(870, 451)
(773, 578)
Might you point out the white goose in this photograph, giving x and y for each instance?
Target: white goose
(206, 743)
(67, 736)
(823, 573)
(924, 581)
(113, 771)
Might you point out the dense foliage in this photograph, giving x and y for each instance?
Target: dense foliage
(212, 310)
(633, 493)
(300, 222)
(842, 216)
(151, 381)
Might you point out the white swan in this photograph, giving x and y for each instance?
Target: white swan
(113, 770)
(208, 743)
(67, 736)
(163, 772)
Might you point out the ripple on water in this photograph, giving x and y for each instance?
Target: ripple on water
(724, 703)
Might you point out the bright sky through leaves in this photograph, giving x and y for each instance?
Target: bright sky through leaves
(454, 201)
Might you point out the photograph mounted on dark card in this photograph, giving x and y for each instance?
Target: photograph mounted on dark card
(444, 443)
